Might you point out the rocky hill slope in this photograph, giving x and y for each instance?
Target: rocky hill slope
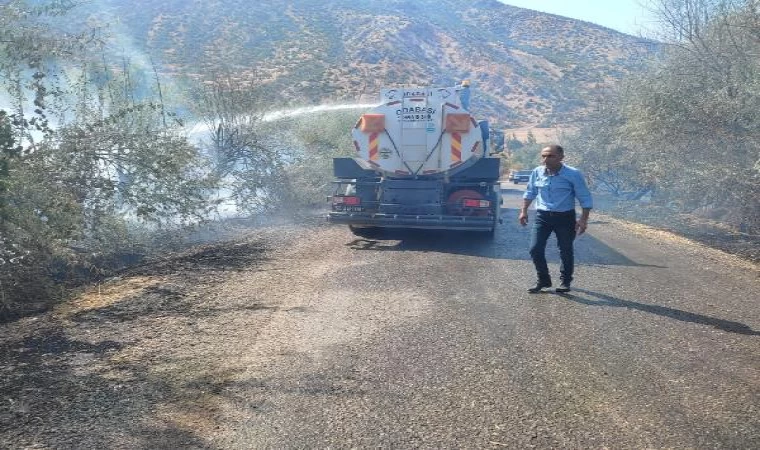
(528, 68)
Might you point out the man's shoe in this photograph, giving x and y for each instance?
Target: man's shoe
(539, 285)
(564, 287)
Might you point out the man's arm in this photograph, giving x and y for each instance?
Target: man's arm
(583, 195)
(582, 223)
(523, 217)
(530, 194)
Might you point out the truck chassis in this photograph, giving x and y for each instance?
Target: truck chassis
(470, 200)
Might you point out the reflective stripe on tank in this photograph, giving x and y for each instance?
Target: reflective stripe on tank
(456, 147)
(374, 144)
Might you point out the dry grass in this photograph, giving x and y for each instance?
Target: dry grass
(660, 235)
(659, 221)
(107, 294)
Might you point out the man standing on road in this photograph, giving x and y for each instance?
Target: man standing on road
(555, 186)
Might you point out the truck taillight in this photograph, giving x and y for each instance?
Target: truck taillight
(349, 200)
(473, 203)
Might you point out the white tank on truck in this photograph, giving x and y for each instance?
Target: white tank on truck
(421, 161)
(419, 132)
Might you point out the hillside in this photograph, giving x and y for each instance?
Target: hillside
(528, 68)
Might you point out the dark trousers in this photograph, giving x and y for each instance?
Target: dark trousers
(563, 226)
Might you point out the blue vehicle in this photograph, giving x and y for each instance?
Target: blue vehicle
(521, 176)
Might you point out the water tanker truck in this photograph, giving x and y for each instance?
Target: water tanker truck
(422, 161)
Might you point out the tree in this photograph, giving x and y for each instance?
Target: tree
(247, 169)
(317, 138)
(613, 162)
(30, 52)
(690, 126)
(703, 102)
(527, 154)
(513, 143)
(116, 159)
(29, 208)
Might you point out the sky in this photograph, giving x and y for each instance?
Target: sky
(621, 15)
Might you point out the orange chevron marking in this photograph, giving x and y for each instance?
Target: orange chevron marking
(456, 147)
(374, 144)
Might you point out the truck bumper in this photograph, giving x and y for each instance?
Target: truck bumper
(411, 221)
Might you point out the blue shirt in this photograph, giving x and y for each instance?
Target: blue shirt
(558, 192)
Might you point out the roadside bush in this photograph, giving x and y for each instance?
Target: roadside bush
(316, 138)
(67, 204)
(687, 130)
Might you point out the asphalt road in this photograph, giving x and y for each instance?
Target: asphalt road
(305, 336)
(430, 340)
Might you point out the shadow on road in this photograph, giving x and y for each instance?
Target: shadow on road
(510, 241)
(597, 299)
